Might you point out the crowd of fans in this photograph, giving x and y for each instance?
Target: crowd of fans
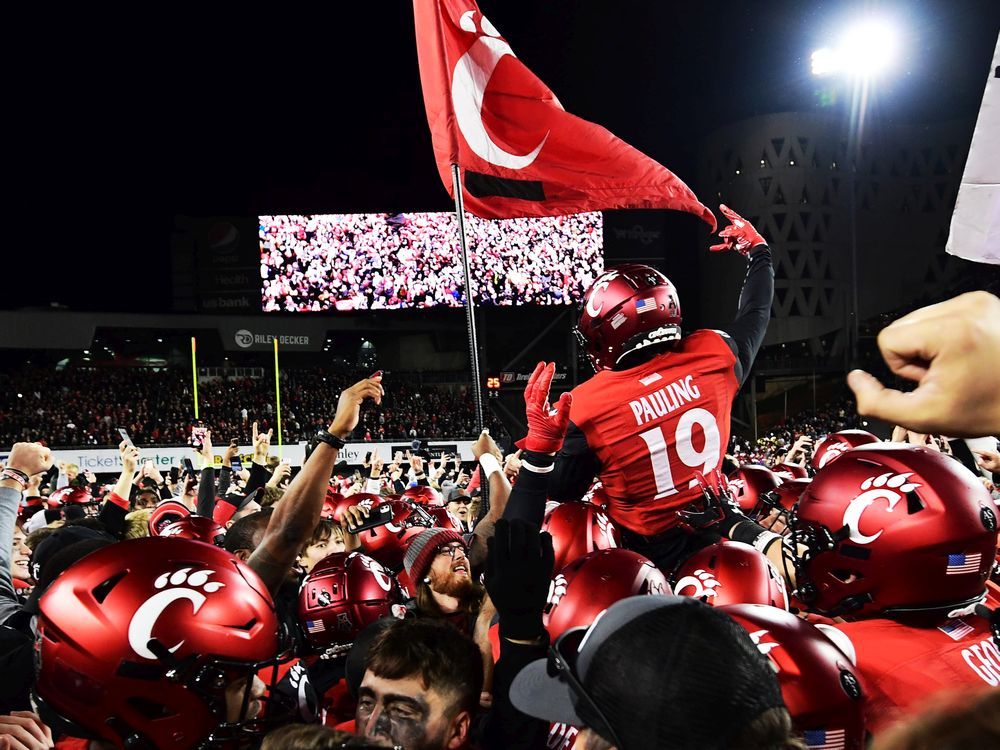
(382, 261)
(85, 406)
(770, 447)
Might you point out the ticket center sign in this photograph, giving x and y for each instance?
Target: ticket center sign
(108, 460)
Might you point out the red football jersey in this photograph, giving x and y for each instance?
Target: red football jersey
(652, 426)
(901, 667)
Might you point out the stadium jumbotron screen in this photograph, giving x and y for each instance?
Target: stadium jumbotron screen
(393, 261)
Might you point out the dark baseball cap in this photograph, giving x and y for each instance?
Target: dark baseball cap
(56, 552)
(658, 671)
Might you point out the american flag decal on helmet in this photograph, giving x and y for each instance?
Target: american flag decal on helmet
(825, 739)
(315, 626)
(959, 564)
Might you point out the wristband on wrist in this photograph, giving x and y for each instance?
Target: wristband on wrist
(325, 436)
(537, 469)
(15, 475)
(489, 464)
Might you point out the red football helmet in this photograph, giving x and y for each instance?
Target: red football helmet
(790, 471)
(578, 528)
(596, 495)
(592, 583)
(819, 682)
(70, 496)
(139, 641)
(626, 309)
(424, 495)
(749, 483)
(199, 528)
(837, 443)
(343, 595)
(332, 506)
(165, 514)
(730, 573)
(893, 529)
(445, 519)
(387, 543)
(343, 502)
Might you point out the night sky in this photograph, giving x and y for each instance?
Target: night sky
(119, 123)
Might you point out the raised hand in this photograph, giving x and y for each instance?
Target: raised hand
(952, 351)
(130, 458)
(485, 444)
(349, 406)
(546, 424)
(281, 472)
(29, 458)
(261, 445)
(512, 465)
(518, 573)
(231, 450)
(739, 235)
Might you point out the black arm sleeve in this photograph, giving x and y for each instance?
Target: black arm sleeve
(206, 492)
(258, 477)
(225, 479)
(113, 517)
(575, 467)
(746, 332)
(530, 491)
(506, 728)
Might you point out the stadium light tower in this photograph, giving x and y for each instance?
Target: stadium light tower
(865, 51)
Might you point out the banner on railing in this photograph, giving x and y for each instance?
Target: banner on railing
(107, 460)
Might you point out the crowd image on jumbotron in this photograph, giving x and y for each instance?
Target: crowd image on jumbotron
(459, 375)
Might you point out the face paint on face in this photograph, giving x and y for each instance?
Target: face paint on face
(402, 712)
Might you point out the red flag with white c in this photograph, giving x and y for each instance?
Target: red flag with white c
(520, 152)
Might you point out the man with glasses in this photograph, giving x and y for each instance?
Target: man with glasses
(437, 564)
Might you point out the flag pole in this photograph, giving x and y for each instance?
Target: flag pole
(277, 397)
(470, 316)
(194, 375)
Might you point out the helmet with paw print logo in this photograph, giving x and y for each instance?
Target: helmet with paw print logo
(730, 573)
(344, 594)
(592, 583)
(892, 529)
(578, 528)
(140, 642)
